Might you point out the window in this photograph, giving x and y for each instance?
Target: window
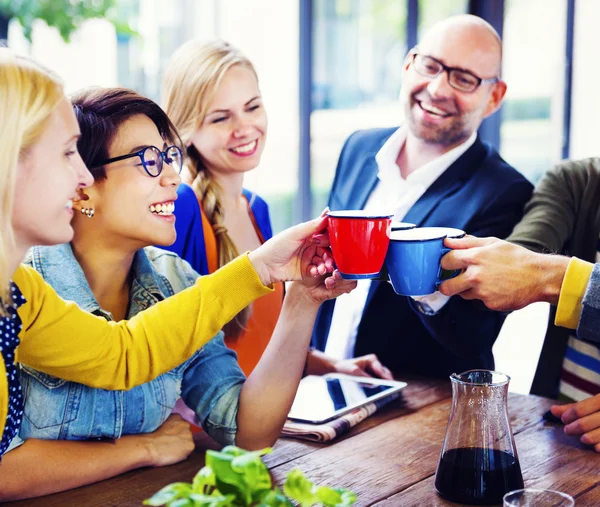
(586, 99)
(531, 134)
(432, 11)
(358, 50)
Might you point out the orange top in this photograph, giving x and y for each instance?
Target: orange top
(251, 344)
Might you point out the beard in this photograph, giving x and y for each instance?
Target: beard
(457, 128)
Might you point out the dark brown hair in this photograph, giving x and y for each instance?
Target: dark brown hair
(101, 111)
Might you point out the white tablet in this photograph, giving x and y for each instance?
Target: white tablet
(322, 398)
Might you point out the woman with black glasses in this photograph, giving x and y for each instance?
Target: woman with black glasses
(73, 435)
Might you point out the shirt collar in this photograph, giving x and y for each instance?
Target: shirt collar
(60, 268)
(387, 155)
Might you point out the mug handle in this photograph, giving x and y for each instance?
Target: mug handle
(445, 274)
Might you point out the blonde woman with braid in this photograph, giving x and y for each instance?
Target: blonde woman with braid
(211, 94)
(40, 175)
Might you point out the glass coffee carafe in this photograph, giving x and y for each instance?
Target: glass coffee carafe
(478, 463)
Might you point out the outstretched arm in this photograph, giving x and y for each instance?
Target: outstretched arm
(268, 393)
(504, 276)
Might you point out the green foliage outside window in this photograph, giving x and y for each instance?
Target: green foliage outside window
(64, 15)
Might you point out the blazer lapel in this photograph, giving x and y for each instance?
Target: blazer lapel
(364, 184)
(449, 182)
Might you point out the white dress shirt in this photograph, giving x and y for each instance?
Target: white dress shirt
(392, 194)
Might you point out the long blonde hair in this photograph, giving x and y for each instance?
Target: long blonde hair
(28, 94)
(191, 80)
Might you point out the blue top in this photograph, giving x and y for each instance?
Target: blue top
(209, 382)
(10, 326)
(189, 244)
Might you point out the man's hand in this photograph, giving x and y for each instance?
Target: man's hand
(503, 275)
(171, 443)
(582, 418)
(364, 366)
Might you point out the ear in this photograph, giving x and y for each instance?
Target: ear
(495, 99)
(409, 59)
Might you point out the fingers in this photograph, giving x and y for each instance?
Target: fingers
(335, 281)
(321, 239)
(591, 438)
(458, 259)
(372, 364)
(585, 426)
(355, 370)
(559, 410)
(321, 263)
(581, 419)
(581, 409)
(459, 285)
(307, 230)
(338, 286)
(468, 242)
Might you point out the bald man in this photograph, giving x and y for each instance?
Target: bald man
(431, 171)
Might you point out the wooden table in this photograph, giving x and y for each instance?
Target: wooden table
(388, 460)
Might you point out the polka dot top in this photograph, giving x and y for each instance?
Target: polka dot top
(10, 326)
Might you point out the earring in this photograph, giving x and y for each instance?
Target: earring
(88, 212)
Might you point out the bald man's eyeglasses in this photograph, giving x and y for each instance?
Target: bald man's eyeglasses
(461, 80)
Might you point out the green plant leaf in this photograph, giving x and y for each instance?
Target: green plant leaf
(213, 500)
(274, 498)
(335, 497)
(238, 478)
(299, 488)
(170, 493)
(181, 502)
(204, 481)
(255, 473)
(228, 481)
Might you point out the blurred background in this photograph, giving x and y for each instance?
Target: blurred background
(330, 67)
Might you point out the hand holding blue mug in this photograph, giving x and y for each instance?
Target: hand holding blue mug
(413, 259)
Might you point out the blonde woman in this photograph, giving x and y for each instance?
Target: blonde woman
(211, 94)
(40, 173)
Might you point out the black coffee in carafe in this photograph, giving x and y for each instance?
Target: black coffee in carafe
(479, 462)
(477, 475)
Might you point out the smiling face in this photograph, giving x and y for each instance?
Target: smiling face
(436, 112)
(133, 209)
(48, 176)
(232, 136)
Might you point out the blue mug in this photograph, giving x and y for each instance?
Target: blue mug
(413, 259)
(396, 226)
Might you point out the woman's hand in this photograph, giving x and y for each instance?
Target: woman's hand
(582, 418)
(298, 253)
(315, 291)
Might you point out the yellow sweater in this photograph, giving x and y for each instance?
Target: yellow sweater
(577, 277)
(62, 340)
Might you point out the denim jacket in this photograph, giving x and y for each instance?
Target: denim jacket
(209, 382)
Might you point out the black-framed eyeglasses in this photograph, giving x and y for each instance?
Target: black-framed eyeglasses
(152, 159)
(459, 79)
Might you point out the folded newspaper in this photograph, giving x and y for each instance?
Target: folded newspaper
(336, 427)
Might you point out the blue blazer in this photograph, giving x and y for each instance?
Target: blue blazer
(189, 244)
(480, 194)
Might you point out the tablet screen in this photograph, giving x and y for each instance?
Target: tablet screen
(321, 398)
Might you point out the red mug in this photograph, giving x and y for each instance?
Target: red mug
(359, 242)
